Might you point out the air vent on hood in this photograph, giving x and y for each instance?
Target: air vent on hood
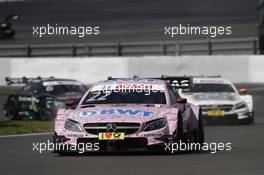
(88, 106)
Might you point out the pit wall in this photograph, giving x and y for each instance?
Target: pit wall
(91, 69)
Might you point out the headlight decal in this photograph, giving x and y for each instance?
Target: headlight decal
(72, 125)
(155, 124)
(240, 105)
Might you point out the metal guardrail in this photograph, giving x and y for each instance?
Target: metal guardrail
(237, 46)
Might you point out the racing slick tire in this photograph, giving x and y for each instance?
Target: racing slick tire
(252, 114)
(180, 134)
(11, 109)
(200, 132)
(247, 121)
(197, 135)
(251, 118)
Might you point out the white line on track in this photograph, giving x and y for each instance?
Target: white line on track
(25, 135)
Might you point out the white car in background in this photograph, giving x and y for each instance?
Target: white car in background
(220, 101)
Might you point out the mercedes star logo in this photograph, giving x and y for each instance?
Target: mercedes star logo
(111, 127)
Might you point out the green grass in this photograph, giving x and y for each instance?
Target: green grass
(25, 127)
(6, 90)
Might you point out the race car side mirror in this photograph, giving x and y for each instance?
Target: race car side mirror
(242, 90)
(181, 100)
(69, 103)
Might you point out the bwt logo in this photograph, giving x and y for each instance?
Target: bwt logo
(128, 112)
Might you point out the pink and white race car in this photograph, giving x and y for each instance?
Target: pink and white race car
(129, 114)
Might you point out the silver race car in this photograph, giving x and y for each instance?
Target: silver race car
(220, 101)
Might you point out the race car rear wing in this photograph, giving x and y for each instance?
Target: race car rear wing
(115, 78)
(207, 76)
(177, 82)
(24, 80)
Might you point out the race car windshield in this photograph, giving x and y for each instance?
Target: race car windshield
(207, 88)
(99, 97)
(62, 89)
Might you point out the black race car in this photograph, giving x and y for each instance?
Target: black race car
(6, 29)
(40, 98)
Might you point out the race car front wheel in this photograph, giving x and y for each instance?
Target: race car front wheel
(179, 134)
(197, 135)
(11, 109)
(200, 138)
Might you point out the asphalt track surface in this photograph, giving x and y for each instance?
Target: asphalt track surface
(245, 158)
(128, 20)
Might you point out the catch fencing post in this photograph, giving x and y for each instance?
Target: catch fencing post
(255, 46)
(119, 50)
(73, 50)
(209, 47)
(88, 50)
(28, 50)
(178, 48)
(163, 48)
